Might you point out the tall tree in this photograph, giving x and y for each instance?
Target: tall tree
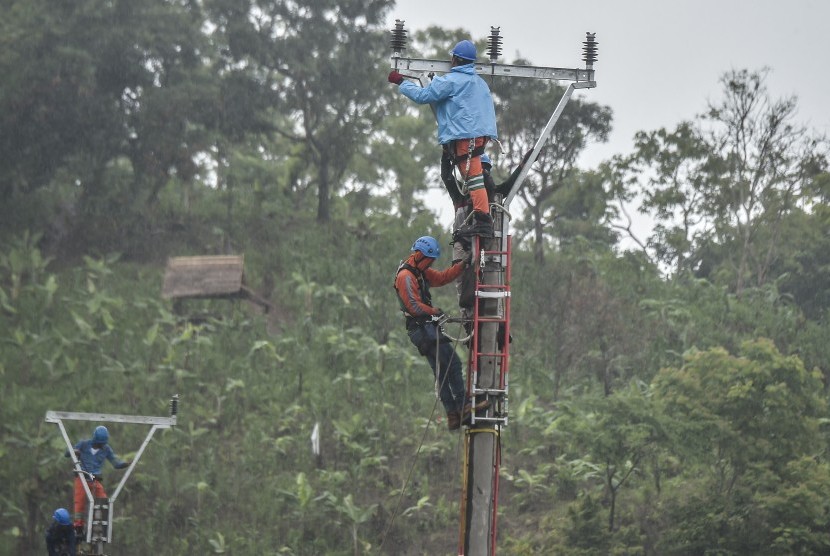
(676, 166)
(769, 162)
(110, 97)
(60, 96)
(721, 188)
(523, 108)
(321, 58)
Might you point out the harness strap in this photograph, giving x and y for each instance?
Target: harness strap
(473, 152)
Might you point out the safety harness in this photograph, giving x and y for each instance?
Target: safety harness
(426, 296)
(472, 152)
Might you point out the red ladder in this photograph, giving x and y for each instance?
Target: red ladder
(483, 431)
(498, 289)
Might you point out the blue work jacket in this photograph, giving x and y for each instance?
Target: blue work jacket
(92, 461)
(463, 104)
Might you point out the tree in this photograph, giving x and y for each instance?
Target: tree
(581, 320)
(804, 265)
(746, 428)
(317, 57)
(57, 100)
(619, 433)
(676, 166)
(722, 187)
(400, 157)
(106, 101)
(523, 107)
(768, 163)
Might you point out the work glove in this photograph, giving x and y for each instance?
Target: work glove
(395, 77)
(468, 259)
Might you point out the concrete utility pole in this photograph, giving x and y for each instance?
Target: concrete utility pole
(488, 359)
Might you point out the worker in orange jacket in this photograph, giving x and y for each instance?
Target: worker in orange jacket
(412, 282)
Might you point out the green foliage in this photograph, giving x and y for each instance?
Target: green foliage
(554, 189)
(748, 427)
(647, 417)
(599, 453)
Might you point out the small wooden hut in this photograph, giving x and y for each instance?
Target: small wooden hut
(208, 277)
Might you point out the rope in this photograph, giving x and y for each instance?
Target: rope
(459, 340)
(421, 443)
(408, 478)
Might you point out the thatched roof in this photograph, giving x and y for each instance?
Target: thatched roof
(194, 277)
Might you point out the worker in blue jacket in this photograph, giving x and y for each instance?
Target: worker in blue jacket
(91, 454)
(466, 122)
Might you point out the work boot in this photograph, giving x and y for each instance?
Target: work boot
(453, 420)
(482, 226)
(461, 239)
(468, 410)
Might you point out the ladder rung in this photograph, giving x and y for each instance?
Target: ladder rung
(494, 319)
(487, 354)
(489, 391)
(492, 295)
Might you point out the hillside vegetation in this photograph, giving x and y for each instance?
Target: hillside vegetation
(668, 393)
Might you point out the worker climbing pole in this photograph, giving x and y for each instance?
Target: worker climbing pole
(488, 358)
(97, 530)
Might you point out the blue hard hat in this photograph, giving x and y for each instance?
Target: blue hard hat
(465, 49)
(101, 435)
(486, 160)
(62, 516)
(428, 246)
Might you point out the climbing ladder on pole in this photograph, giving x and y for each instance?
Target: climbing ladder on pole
(487, 379)
(498, 290)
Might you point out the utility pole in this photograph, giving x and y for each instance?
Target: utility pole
(488, 357)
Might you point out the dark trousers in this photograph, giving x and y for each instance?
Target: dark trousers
(446, 367)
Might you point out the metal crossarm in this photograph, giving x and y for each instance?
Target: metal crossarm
(411, 66)
(56, 416)
(580, 78)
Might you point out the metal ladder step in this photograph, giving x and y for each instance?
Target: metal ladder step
(492, 295)
(490, 391)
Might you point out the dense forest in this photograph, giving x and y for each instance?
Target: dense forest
(668, 394)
